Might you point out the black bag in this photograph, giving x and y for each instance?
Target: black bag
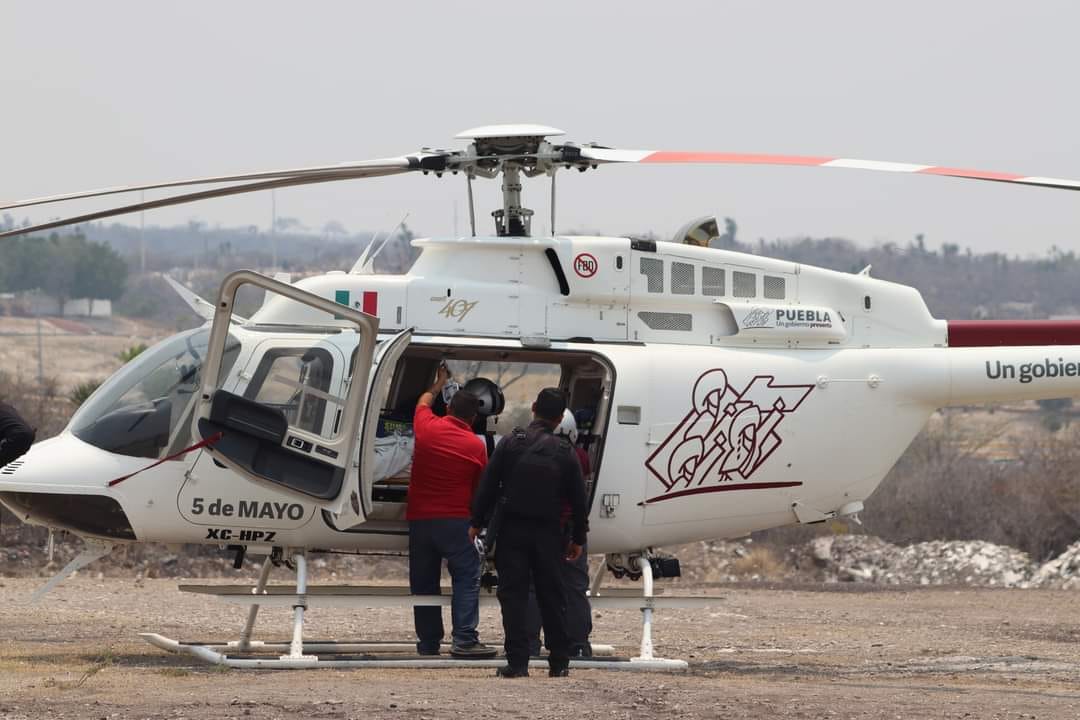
(495, 522)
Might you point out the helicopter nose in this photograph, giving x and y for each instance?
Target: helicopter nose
(62, 482)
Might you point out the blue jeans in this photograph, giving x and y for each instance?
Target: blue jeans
(431, 542)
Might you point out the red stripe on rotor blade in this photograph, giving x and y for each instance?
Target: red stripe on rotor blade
(732, 158)
(371, 303)
(976, 174)
(1015, 333)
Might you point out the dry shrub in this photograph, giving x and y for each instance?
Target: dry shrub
(41, 405)
(760, 561)
(945, 489)
(941, 491)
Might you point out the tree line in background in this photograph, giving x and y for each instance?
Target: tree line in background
(63, 266)
(956, 283)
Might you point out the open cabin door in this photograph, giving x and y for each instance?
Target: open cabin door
(362, 479)
(256, 438)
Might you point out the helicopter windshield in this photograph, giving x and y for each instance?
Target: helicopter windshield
(144, 410)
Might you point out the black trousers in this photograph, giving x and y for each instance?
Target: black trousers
(576, 581)
(529, 551)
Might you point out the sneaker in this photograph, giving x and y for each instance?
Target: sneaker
(559, 672)
(512, 672)
(473, 650)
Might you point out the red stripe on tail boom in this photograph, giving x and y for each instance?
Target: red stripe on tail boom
(991, 333)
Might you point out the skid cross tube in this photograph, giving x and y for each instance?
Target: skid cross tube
(296, 653)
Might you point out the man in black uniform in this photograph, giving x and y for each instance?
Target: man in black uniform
(520, 499)
(16, 436)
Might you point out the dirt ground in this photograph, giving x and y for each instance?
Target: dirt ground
(74, 350)
(789, 652)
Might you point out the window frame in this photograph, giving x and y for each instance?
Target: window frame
(266, 363)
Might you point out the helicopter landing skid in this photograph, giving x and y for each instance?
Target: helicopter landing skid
(301, 654)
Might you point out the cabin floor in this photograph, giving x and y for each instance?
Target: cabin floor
(798, 651)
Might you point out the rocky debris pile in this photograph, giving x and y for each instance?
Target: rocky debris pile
(863, 558)
(1062, 572)
(835, 558)
(868, 559)
(23, 553)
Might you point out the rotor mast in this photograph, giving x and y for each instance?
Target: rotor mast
(512, 220)
(512, 151)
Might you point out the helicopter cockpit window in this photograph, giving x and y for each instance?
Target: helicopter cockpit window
(144, 410)
(296, 381)
(653, 270)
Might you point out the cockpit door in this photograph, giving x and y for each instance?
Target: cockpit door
(361, 481)
(258, 439)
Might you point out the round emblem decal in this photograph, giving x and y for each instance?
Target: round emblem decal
(585, 265)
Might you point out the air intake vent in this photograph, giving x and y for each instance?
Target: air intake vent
(668, 321)
(11, 467)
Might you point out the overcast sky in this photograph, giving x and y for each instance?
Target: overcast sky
(104, 93)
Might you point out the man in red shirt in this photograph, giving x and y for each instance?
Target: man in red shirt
(447, 462)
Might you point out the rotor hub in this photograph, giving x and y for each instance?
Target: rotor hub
(511, 150)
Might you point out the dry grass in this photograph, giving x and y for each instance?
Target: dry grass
(760, 562)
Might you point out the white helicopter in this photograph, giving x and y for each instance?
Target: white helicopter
(730, 392)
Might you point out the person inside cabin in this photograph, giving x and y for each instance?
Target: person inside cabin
(16, 435)
(446, 466)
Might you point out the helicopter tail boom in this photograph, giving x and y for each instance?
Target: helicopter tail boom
(1011, 373)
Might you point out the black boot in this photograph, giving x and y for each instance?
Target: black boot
(559, 667)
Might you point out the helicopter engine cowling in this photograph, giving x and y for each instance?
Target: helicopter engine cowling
(786, 324)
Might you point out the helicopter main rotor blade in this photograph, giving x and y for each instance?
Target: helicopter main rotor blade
(207, 194)
(615, 155)
(402, 163)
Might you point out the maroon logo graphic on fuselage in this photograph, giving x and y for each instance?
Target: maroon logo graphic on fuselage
(725, 437)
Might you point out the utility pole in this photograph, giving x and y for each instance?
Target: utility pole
(40, 355)
(142, 229)
(273, 228)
